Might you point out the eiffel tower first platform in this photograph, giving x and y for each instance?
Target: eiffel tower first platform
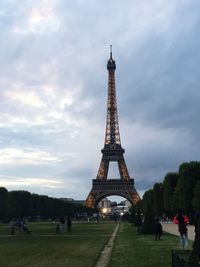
(112, 151)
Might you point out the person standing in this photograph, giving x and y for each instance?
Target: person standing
(25, 228)
(158, 229)
(182, 222)
(139, 222)
(62, 223)
(12, 225)
(69, 224)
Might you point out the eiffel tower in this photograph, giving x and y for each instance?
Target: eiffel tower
(112, 151)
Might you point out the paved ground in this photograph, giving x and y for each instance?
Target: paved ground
(173, 229)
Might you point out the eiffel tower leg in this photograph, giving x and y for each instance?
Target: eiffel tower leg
(103, 170)
(124, 175)
(90, 199)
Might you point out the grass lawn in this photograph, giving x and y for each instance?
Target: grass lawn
(82, 247)
(132, 249)
(45, 248)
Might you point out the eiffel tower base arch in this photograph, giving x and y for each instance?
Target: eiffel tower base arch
(104, 188)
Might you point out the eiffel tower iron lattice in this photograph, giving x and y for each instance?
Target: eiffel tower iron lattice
(112, 152)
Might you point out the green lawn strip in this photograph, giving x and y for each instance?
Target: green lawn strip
(79, 248)
(133, 249)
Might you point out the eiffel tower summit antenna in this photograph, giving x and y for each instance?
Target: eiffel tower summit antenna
(110, 51)
(112, 152)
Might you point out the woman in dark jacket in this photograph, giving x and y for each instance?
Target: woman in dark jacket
(158, 229)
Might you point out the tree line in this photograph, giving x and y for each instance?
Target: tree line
(179, 191)
(19, 203)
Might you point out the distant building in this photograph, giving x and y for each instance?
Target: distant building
(121, 208)
(108, 207)
(65, 199)
(104, 204)
(125, 203)
(71, 200)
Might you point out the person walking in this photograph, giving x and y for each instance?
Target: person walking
(182, 222)
(69, 224)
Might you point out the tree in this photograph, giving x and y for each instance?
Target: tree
(3, 202)
(158, 199)
(189, 175)
(23, 204)
(19, 203)
(148, 225)
(132, 218)
(176, 202)
(196, 199)
(195, 255)
(147, 200)
(135, 212)
(169, 185)
(35, 204)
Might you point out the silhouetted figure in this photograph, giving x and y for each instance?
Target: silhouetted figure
(62, 219)
(19, 223)
(97, 218)
(12, 225)
(12, 230)
(69, 224)
(158, 229)
(57, 228)
(62, 223)
(139, 223)
(25, 229)
(18, 226)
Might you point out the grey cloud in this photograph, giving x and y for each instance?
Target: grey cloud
(156, 48)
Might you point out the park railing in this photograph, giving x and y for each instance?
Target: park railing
(180, 258)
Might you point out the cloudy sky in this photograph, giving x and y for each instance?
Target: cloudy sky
(53, 90)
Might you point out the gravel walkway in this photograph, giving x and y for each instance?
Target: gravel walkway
(106, 252)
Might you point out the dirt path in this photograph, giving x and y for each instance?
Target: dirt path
(106, 252)
(173, 229)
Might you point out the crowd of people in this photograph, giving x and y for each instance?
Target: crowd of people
(20, 225)
(63, 225)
